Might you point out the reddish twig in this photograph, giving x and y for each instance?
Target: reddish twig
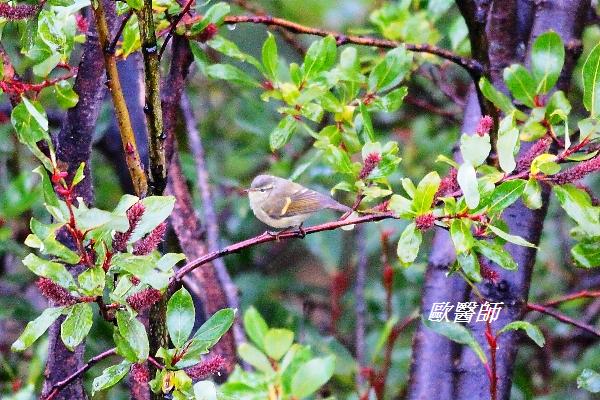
(268, 237)
(58, 386)
(563, 318)
(568, 297)
(173, 25)
(491, 368)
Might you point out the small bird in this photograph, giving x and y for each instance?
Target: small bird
(284, 204)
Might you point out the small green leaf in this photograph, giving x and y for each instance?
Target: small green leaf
(408, 245)
(547, 59)
(498, 98)
(469, 263)
(255, 326)
(558, 107)
(467, 180)
(79, 175)
(269, 57)
(475, 149)
(496, 253)
(521, 84)
(156, 210)
(180, 317)
(283, 132)
(135, 4)
(278, 342)
(255, 357)
(508, 140)
(591, 81)
(51, 270)
(587, 253)
(401, 206)
(532, 194)
(91, 281)
(510, 238)
(531, 330)
(460, 232)
(110, 376)
(578, 205)
(228, 72)
(320, 56)
(77, 325)
(36, 328)
(390, 71)
(425, 193)
(506, 194)
(134, 333)
(367, 124)
(312, 375)
(65, 95)
(545, 163)
(457, 333)
(589, 380)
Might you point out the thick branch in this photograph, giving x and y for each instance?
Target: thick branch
(132, 156)
(58, 386)
(269, 237)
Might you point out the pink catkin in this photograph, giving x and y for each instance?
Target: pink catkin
(425, 221)
(206, 368)
(487, 272)
(485, 125)
(148, 244)
(371, 161)
(140, 373)
(144, 299)
(53, 291)
(17, 12)
(134, 215)
(449, 184)
(539, 147)
(577, 172)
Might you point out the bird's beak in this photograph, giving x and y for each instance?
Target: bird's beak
(248, 190)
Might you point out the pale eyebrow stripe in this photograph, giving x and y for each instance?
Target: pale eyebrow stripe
(288, 201)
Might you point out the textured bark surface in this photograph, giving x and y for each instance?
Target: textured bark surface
(73, 146)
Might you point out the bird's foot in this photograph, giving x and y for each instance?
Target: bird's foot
(301, 232)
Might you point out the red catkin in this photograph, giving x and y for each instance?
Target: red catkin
(539, 147)
(577, 172)
(140, 373)
(425, 221)
(487, 272)
(206, 368)
(449, 184)
(134, 215)
(208, 33)
(485, 125)
(56, 293)
(371, 161)
(148, 244)
(17, 12)
(144, 299)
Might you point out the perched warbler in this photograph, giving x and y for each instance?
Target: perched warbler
(281, 203)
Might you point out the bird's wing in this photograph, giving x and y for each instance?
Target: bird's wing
(299, 200)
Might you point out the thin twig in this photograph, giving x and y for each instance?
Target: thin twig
(361, 307)
(113, 43)
(568, 297)
(563, 318)
(269, 237)
(58, 386)
(173, 26)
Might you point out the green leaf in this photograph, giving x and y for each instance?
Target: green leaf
(44, 239)
(510, 238)
(123, 348)
(425, 193)
(36, 328)
(408, 245)
(390, 71)
(283, 132)
(496, 253)
(278, 342)
(168, 261)
(230, 49)
(589, 380)
(320, 56)
(587, 253)
(498, 98)
(591, 81)
(475, 149)
(367, 124)
(79, 174)
(255, 326)
(531, 330)
(205, 390)
(457, 333)
(547, 59)
(532, 194)
(312, 375)
(269, 57)
(77, 325)
(467, 180)
(255, 357)
(578, 205)
(91, 281)
(135, 4)
(460, 232)
(558, 107)
(401, 206)
(521, 84)
(51, 270)
(110, 376)
(156, 210)
(215, 15)
(180, 317)
(65, 95)
(31, 125)
(391, 101)
(508, 139)
(469, 263)
(506, 194)
(545, 163)
(134, 333)
(228, 72)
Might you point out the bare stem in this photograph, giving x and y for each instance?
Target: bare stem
(563, 318)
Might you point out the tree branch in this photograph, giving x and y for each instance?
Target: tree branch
(568, 297)
(563, 318)
(58, 386)
(268, 237)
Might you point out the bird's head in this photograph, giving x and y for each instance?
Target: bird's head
(261, 187)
